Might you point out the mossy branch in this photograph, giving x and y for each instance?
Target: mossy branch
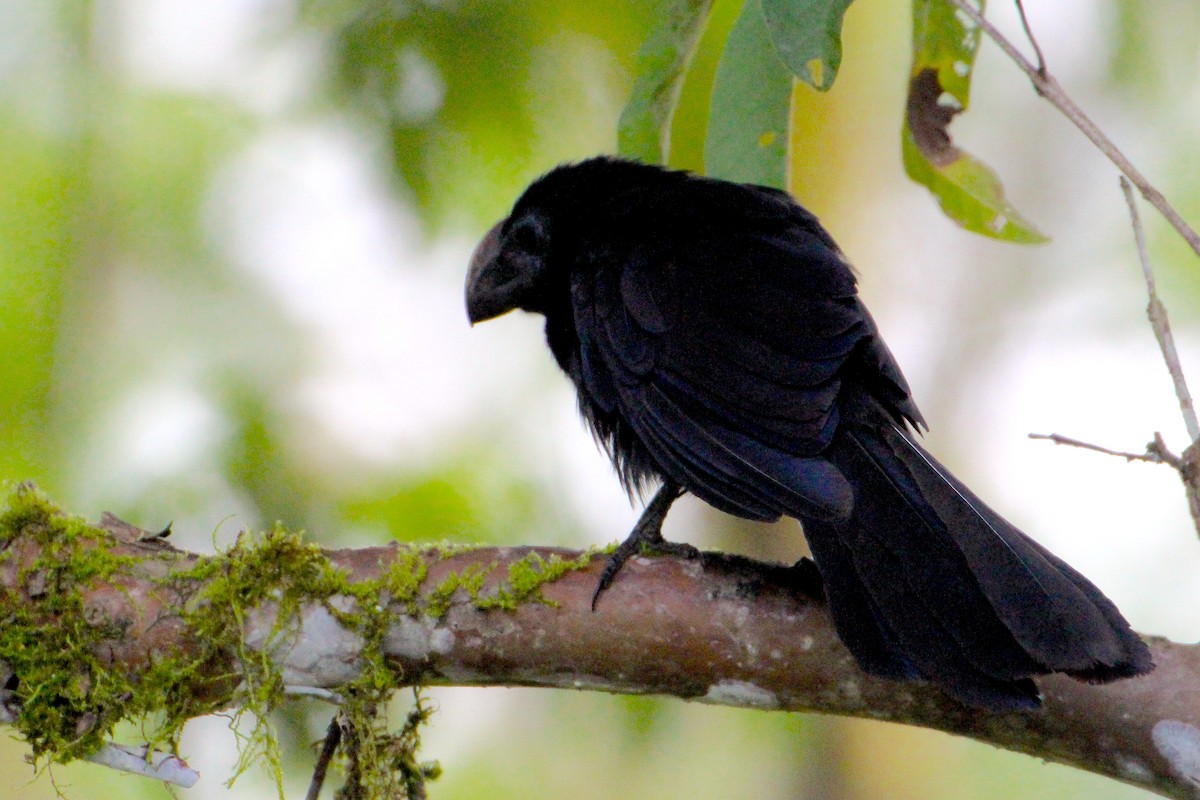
(238, 627)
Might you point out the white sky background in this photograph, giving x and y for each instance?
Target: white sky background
(305, 211)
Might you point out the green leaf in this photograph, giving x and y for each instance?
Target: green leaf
(944, 47)
(644, 131)
(807, 35)
(751, 98)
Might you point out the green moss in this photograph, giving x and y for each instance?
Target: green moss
(404, 577)
(525, 580)
(27, 508)
(277, 567)
(379, 762)
(70, 698)
(470, 580)
(522, 583)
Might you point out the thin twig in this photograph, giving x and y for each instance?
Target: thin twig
(313, 691)
(1153, 455)
(1157, 313)
(1041, 59)
(138, 760)
(333, 737)
(1048, 87)
(165, 767)
(1159, 448)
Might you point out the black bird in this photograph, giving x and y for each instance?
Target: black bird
(718, 346)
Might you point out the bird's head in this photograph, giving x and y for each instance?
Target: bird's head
(508, 268)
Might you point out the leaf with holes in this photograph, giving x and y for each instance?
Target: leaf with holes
(944, 47)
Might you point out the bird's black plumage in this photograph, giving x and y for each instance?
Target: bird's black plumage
(715, 336)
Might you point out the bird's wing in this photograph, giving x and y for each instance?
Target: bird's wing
(724, 350)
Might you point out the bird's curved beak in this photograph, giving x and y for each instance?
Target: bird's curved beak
(483, 303)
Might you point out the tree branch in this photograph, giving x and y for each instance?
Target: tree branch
(721, 630)
(1156, 312)
(1048, 87)
(1156, 450)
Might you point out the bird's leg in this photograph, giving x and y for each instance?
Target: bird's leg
(808, 578)
(646, 533)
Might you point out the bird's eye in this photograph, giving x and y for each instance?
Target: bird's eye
(527, 234)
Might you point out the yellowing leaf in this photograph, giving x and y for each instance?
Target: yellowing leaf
(807, 35)
(944, 47)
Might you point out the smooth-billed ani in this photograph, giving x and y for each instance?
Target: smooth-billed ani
(718, 346)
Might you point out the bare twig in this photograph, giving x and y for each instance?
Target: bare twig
(313, 691)
(1159, 448)
(1156, 452)
(1187, 466)
(1041, 59)
(333, 737)
(1048, 87)
(164, 767)
(1157, 313)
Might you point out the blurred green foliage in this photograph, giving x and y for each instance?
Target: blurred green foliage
(462, 89)
(125, 300)
(35, 225)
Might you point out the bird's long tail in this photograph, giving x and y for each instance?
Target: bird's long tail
(925, 581)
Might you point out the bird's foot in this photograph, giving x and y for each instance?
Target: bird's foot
(808, 578)
(646, 534)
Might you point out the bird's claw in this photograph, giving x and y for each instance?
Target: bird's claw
(631, 547)
(646, 534)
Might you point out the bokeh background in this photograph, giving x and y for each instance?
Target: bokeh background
(233, 236)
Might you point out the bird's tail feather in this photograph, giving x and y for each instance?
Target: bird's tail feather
(924, 580)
